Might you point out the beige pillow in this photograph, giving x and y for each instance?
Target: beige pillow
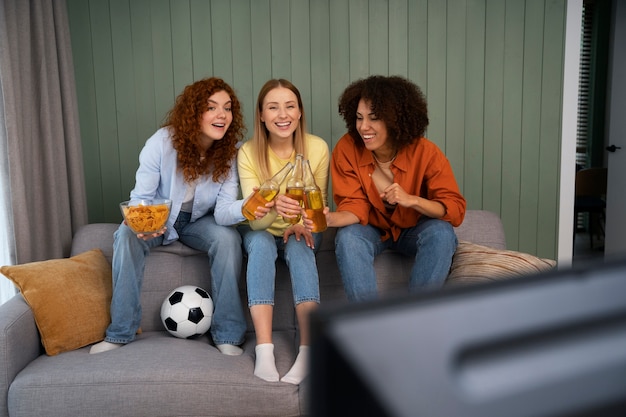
(70, 298)
(473, 264)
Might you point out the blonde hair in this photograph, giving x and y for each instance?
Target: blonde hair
(260, 137)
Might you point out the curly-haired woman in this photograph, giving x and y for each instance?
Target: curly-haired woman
(393, 188)
(191, 160)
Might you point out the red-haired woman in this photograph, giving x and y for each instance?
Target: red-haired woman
(191, 160)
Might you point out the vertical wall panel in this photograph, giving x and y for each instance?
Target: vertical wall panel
(280, 31)
(379, 47)
(301, 35)
(418, 42)
(339, 61)
(182, 56)
(320, 113)
(124, 90)
(435, 86)
(221, 39)
(474, 103)
(261, 50)
(164, 89)
(201, 38)
(398, 37)
(143, 74)
(242, 57)
(491, 71)
(531, 123)
(78, 17)
(550, 149)
(358, 21)
(106, 105)
(512, 115)
(455, 85)
(494, 90)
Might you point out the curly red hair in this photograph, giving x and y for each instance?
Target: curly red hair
(395, 100)
(184, 120)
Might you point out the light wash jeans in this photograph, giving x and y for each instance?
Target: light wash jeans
(263, 249)
(432, 242)
(223, 246)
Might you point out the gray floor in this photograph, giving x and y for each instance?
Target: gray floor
(583, 251)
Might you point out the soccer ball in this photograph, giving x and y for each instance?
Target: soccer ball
(187, 311)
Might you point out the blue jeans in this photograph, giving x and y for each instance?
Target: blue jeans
(263, 249)
(223, 246)
(432, 242)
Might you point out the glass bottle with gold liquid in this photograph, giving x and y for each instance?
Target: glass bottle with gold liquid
(266, 192)
(295, 186)
(313, 200)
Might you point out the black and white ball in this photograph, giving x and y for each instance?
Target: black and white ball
(187, 312)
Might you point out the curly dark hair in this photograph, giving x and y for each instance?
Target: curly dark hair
(185, 120)
(395, 100)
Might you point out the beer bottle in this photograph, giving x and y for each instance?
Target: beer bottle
(295, 186)
(266, 193)
(313, 200)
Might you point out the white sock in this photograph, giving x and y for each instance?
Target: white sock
(103, 346)
(265, 364)
(230, 350)
(299, 369)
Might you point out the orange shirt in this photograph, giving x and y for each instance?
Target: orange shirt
(420, 169)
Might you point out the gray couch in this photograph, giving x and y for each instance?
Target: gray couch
(159, 375)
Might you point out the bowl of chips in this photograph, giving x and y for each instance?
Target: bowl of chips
(146, 216)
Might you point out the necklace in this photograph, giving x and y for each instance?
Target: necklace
(387, 162)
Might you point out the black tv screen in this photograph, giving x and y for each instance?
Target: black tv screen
(550, 345)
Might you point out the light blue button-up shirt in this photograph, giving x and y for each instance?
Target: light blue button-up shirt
(158, 176)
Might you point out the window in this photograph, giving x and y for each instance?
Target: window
(7, 289)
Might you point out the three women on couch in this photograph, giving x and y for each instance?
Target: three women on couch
(393, 188)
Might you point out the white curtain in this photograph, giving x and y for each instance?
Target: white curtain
(43, 200)
(7, 243)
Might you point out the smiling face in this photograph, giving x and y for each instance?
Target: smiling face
(215, 121)
(281, 113)
(373, 131)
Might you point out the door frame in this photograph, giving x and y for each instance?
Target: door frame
(571, 66)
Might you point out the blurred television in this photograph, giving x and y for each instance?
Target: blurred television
(550, 345)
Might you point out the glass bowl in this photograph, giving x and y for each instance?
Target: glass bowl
(146, 216)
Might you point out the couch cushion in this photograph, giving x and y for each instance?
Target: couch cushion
(474, 263)
(482, 227)
(70, 298)
(156, 375)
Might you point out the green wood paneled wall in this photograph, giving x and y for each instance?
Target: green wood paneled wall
(491, 70)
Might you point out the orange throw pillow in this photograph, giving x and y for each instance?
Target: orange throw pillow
(70, 298)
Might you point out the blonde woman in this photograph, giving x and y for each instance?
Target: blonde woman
(280, 134)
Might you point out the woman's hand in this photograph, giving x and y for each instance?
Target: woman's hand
(394, 194)
(287, 207)
(261, 211)
(151, 235)
(299, 231)
(308, 223)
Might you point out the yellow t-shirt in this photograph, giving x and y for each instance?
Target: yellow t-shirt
(316, 151)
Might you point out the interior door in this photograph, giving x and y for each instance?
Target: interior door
(615, 236)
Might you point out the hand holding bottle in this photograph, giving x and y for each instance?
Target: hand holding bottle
(289, 208)
(256, 202)
(265, 194)
(313, 201)
(294, 192)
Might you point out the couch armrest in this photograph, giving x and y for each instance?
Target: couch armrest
(19, 344)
